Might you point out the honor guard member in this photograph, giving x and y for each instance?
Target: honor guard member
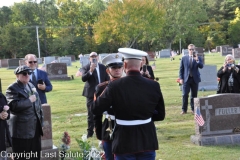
(104, 129)
(137, 103)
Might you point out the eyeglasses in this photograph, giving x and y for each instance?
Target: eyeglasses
(26, 73)
(32, 62)
(191, 49)
(93, 56)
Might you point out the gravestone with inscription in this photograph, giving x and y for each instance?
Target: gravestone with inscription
(21, 62)
(4, 63)
(217, 48)
(13, 63)
(66, 60)
(236, 53)
(57, 71)
(221, 113)
(165, 53)
(225, 50)
(47, 143)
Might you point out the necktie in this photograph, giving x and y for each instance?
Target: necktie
(190, 66)
(34, 80)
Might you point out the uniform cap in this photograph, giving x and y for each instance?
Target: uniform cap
(130, 53)
(93, 54)
(21, 69)
(114, 59)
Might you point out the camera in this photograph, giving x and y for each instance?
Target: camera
(94, 60)
(194, 54)
(40, 81)
(144, 68)
(230, 65)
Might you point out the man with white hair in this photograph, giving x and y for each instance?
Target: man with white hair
(137, 103)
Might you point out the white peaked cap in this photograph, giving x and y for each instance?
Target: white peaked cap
(114, 59)
(130, 53)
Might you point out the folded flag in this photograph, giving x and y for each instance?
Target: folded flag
(198, 117)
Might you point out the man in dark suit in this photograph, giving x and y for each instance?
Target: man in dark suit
(137, 102)
(92, 74)
(189, 77)
(26, 116)
(38, 78)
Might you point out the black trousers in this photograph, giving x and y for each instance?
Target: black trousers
(28, 148)
(90, 118)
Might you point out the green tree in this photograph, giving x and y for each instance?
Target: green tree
(234, 29)
(128, 22)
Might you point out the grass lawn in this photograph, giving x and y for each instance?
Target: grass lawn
(174, 132)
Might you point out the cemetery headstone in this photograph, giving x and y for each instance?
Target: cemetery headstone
(165, 53)
(48, 60)
(221, 113)
(4, 63)
(226, 50)
(47, 143)
(40, 60)
(208, 78)
(217, 48)
(66, 60)
(13, 63)
(73, 58)
(57, 71)
(84, 61)
(236, 53)
(21, 62)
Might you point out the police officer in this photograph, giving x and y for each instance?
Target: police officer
(137, 103)
(104, 129)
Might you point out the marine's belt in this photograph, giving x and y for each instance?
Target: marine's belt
(132, 122)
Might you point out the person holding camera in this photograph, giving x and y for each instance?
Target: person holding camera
(189, 77)
(92, 74)
(38, 78)
(146, 70)
(229, 76)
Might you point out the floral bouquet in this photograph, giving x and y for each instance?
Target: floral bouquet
(88, 152)
(66, 144)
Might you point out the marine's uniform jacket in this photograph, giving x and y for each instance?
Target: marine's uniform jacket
(133, 98)
(24, 113)
(101, 127)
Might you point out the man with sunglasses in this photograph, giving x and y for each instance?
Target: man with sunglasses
(190, 77)
(27, 117)
(92, 74)
(104, 129)
(38, 78)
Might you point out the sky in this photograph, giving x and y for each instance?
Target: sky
(8, 2)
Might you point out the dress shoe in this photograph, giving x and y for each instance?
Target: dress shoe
(183, 112)
(89, 136)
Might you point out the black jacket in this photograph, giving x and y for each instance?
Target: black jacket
(223, 83)
(4, 131)
(91, 81)
(133, 98)
(24, 114)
